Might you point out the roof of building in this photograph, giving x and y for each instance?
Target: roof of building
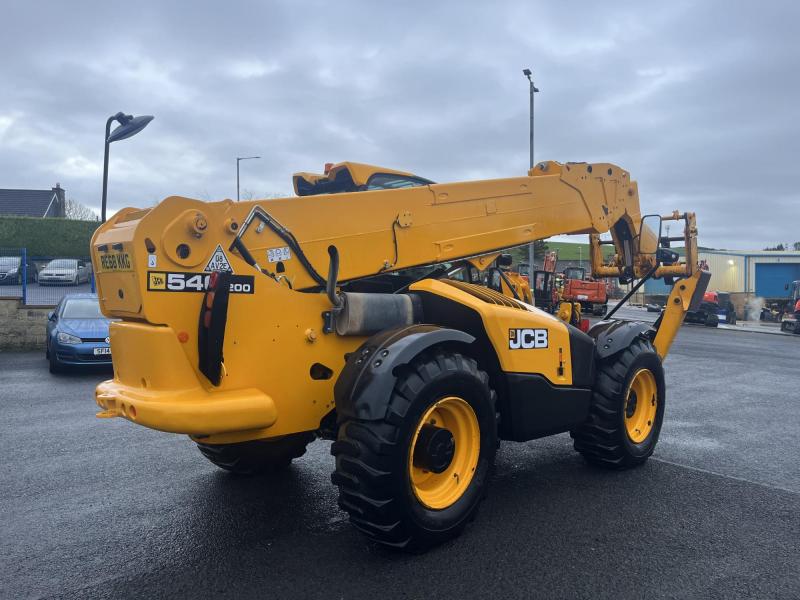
(26, 203)
(792, 253)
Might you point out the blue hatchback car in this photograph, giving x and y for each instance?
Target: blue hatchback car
(77, 333)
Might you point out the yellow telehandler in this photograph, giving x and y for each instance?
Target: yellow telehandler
(256, 327)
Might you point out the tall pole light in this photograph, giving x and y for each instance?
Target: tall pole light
(533, 90)
(238, 160)
(128, 126)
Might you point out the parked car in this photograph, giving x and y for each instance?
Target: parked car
(77, 333)
(68, 271)
(11, 270)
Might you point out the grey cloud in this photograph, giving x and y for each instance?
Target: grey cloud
(697, 101)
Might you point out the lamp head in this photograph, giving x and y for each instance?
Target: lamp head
(129, 126)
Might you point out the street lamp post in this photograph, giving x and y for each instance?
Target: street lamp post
(238, 160)
(533, 90)
(128, 126)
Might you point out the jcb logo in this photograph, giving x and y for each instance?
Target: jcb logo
(524, 339)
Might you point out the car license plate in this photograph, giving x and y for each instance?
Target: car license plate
(115, 261)
(98, 351)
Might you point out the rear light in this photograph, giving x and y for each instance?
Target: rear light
(584, 325)
(211, 330)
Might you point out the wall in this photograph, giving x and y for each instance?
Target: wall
(727, 271)
(22, 328)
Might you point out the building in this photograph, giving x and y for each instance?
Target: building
(761, 273)
(33, 203)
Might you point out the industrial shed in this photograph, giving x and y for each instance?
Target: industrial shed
(759, 273)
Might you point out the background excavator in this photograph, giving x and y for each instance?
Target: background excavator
(256, 327)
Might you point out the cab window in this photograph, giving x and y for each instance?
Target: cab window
(388, 181)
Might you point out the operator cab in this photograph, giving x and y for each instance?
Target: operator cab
(578, 273)
(354, 177)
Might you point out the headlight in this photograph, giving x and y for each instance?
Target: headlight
(66, 338)
(12, 272)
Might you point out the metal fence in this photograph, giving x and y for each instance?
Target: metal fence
(43, 280)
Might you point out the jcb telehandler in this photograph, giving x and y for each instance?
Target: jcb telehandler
(256, 327)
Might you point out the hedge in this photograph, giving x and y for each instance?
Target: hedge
(47, 237)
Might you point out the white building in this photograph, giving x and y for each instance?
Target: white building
(761, 273)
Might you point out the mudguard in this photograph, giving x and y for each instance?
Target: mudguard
(615, 336)
(365, 385)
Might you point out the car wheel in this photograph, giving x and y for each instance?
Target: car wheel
(55, 365)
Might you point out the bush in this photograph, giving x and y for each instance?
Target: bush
(47, 237)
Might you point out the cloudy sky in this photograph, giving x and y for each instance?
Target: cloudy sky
(699, 101)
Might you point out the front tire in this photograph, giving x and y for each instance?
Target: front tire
(258, 456)
(54, 365)
(627, 409)
(416, 477)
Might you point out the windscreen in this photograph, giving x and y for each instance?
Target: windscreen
(63, 263)
(9, 262)
(82, 308)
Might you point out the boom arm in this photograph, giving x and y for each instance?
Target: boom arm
(384, 230)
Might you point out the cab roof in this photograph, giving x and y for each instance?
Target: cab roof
(345, 177)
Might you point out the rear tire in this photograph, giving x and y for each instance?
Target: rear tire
(257, 456)
(605, 439)
(389, 496)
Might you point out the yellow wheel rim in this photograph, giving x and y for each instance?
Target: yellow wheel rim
(440, 490)
(641, 405)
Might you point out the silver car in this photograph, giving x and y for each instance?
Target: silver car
(65, 271)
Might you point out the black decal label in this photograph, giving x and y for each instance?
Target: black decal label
(161, 281)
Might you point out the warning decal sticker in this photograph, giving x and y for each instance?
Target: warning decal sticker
(218, 261)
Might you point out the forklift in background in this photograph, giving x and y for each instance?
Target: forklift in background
(592, 294)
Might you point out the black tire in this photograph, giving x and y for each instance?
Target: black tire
(54, 365)
(258, 456)
(712, 320)
(372, 457)
(603, 440)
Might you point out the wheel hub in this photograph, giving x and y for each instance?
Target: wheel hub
(641, 406)
(434, 449)
(444, 452)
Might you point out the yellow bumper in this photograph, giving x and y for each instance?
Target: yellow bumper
(156, 386)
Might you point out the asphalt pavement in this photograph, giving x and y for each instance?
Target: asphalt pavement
(105, 509)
